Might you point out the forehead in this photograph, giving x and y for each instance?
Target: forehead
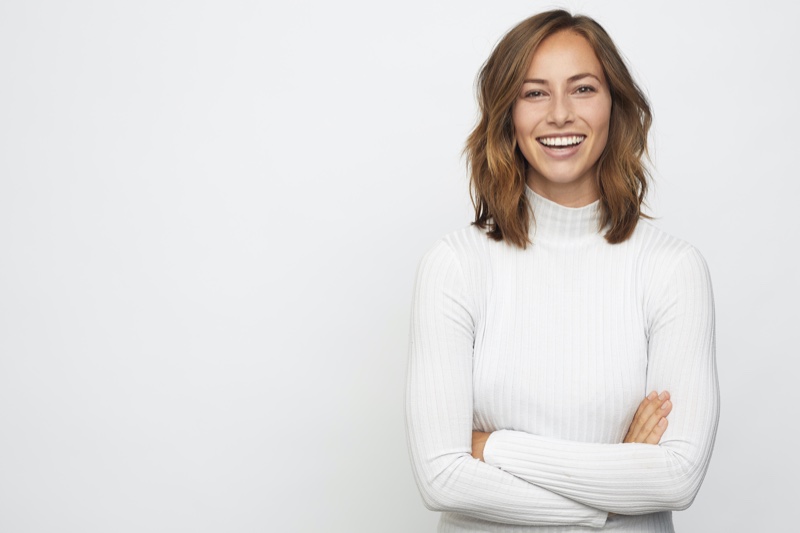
(564, 54)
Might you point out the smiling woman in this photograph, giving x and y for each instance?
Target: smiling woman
(542, 334)
(557, 44)
(561, 119)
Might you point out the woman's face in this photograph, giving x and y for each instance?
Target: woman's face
(561, 118)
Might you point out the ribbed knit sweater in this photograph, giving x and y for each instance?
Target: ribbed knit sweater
(551, 349)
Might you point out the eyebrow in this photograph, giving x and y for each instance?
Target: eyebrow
(571, 79)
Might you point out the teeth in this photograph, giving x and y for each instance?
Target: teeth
(562, 141)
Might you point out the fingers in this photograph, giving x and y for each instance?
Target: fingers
(651, 426)
(641, 416)
(646, 408)
(647, 425)
(658, 431)
(642, 406)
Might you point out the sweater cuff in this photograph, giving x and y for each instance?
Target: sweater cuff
(492, 447)
(488, 448)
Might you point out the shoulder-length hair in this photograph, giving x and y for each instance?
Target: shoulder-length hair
(496, 166)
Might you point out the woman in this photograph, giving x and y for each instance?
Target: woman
(537, 331)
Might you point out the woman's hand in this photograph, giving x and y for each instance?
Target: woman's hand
(650, 421)
(479, 439)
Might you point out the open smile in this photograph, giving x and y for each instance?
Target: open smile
(560, 142)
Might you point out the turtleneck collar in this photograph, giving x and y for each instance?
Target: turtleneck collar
(555, 221)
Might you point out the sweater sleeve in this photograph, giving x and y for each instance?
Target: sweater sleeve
(439, 413)
(641, 478)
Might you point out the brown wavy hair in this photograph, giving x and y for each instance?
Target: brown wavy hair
(496, 165)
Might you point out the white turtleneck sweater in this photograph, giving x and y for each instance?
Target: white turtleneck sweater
(551, 349)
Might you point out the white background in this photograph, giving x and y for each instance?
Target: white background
(210, 218)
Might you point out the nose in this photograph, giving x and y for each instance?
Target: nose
(560, 111)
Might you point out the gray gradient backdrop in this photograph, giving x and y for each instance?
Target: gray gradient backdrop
(210, 218)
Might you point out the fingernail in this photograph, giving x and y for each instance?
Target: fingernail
(651, 396)
(665, 404)
(662, 396)
(662, 422)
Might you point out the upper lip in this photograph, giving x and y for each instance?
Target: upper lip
(556, 135)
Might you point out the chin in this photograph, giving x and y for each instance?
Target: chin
(560, 179)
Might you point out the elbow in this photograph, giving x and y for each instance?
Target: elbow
(435, 500)
(680, 502)
(686, 492)
(684, 489)
(687, 466)
(676, 496)
(435, 496)
(437, 488)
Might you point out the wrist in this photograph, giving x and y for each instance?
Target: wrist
(479, 439)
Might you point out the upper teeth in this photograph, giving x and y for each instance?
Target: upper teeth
(561, 141)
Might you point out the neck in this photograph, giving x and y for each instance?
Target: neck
(554, 221)
(576, 194)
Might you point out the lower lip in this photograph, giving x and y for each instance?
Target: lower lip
(561, 153)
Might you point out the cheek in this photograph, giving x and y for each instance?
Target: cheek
(524, 119)
(600, 120)
(516, 122)
(602, 133)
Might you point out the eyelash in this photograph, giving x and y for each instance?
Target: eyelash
(579, 90)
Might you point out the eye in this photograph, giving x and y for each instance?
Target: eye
(534, 94)
(583, 89)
